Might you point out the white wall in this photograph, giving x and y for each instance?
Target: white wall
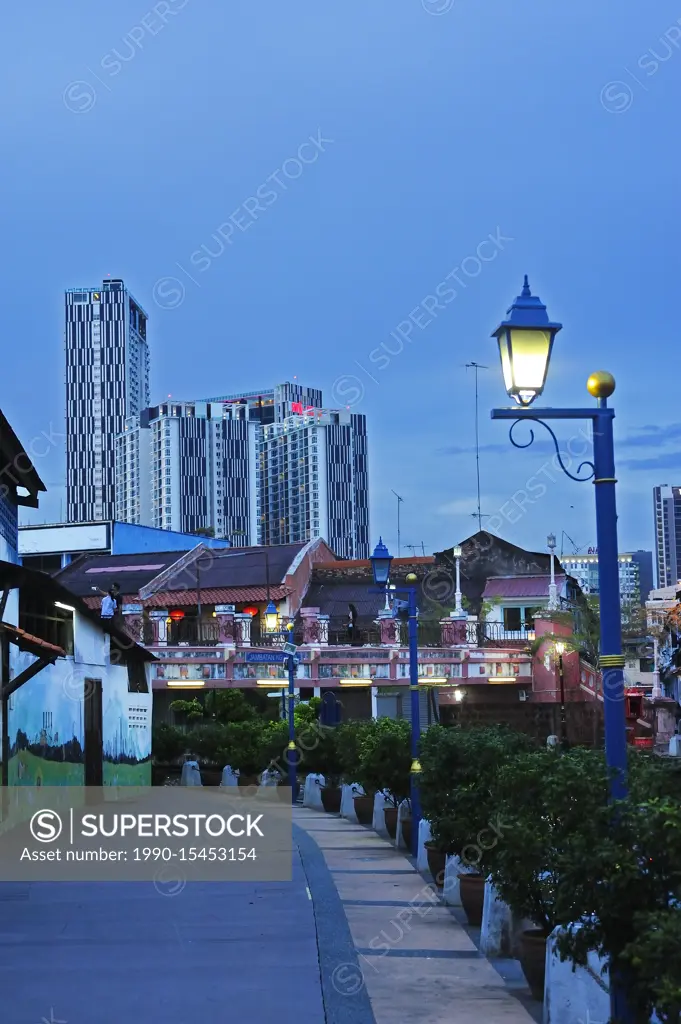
(90, 644)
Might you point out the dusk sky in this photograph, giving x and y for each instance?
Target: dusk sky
(280, 185)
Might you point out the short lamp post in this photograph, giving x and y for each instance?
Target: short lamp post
(553, 589)
(560, 651)
(525, 341)
(458, 607)
(381, 561)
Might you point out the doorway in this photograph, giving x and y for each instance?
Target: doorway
(93, 729)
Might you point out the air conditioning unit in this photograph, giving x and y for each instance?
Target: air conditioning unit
(523, 695)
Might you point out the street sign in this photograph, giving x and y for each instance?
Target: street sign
(265, 657)
(290, 648)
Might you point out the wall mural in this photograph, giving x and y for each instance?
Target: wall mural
(46, 734)
(127, 735)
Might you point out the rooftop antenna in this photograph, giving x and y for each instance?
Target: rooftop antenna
(574, 546)
(476, 367)
(399, 502)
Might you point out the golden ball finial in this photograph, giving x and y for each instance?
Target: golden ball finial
(411, 577)
(601, 384)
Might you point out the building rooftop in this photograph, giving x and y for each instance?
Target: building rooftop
(18, 470)
(225, 576)
(520, 586)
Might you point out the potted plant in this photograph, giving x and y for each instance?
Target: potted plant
(458, 769)
(551, 808)
(634, 919)
(350, 738)
(320, 755)
(385, 765)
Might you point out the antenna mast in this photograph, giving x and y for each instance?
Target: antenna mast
(399, 536)
(476, 367)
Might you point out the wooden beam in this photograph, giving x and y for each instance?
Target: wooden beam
(13, 685)
(3, 602)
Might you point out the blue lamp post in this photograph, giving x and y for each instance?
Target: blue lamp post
(381, 561)
(525, 343)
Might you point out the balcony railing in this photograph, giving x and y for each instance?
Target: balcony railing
(493, 634)
(193, 633)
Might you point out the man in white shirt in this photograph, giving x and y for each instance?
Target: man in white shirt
(110, 602)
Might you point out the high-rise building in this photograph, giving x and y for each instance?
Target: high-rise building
(635, 570)
(107, 382)
(262, 467)
(667, 508)
(189, 466)
(313, 481)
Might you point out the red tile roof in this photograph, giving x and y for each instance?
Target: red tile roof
(520, 586)
(31, 644)
(211, 595)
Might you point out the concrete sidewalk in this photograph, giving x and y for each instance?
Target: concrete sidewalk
(412, 955)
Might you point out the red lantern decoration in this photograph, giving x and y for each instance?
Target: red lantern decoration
(177, 615)
(251, 610)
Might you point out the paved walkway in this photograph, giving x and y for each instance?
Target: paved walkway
(412, 955)
(123, 953)
(358, 937)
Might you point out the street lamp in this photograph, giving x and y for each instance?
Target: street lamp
(560, 651)
(525, 343)
(381, 561)
(553, 590)
(271, 618)
(458, 608)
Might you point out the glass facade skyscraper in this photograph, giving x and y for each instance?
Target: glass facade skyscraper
(107, 381)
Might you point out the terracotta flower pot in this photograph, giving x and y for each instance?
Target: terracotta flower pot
(364, 809)
(472, 888)
(436, 863)
(406, 832)
(533, 960)
(390, 814)
(331, 799)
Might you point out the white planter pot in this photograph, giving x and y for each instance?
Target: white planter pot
(403, 811)
(451, 892)
(378, 822)
(424, 836)
(348, 794)
(312, 793)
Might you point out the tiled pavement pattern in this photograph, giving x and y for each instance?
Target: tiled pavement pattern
(414, 957)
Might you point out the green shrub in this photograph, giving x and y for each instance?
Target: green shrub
(385, 760)
(320, 752)
(548, 806)
(627, 883)
(167, 743)
(458, 771)
(351, 736)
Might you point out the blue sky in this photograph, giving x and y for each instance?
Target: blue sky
(136, 131)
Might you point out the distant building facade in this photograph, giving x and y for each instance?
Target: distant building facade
(107, 381)
(635, 570)
(269, 467)
(667, 511)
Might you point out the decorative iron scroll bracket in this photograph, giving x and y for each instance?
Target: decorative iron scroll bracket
(559, 455)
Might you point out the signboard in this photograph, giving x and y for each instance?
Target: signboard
(265, 657)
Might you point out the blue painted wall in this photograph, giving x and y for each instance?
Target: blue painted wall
(129, 539)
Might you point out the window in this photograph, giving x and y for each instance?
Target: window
(512, 618)
(39, 616)
(137, 676)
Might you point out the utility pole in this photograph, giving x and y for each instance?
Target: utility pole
(476, 367)
(399, 502)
